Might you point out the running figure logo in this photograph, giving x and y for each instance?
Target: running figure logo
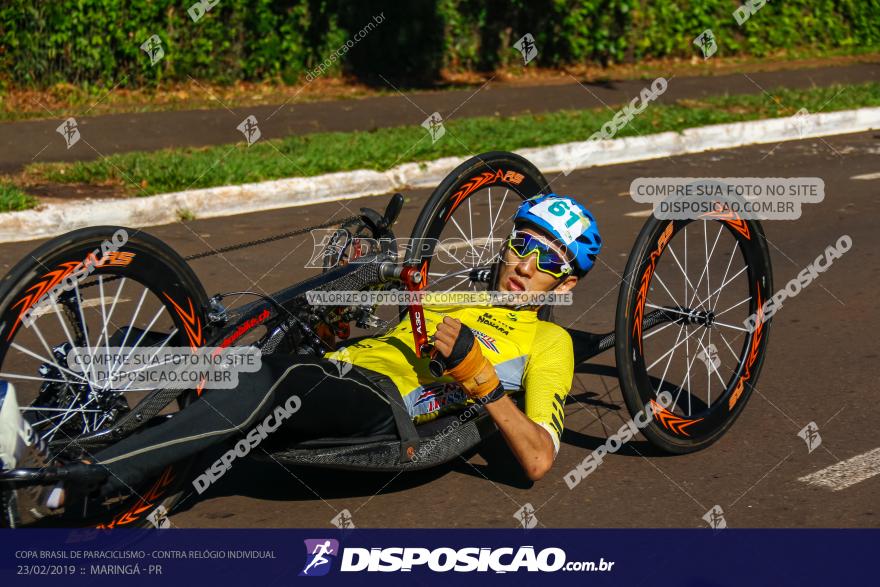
(526, 46)
(154, 49)
(248, 127)
(434, 125)
(706, 42)
(70, 131)
(810, 434)
(526, 516)
(320, 552)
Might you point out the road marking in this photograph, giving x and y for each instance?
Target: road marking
(845, 473)
(867, 176)
(640, 213)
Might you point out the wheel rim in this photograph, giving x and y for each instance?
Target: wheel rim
(112, 305)
(707, 277)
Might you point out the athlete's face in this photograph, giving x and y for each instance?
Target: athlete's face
(517, 274)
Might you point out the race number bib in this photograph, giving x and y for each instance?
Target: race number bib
(568, 221)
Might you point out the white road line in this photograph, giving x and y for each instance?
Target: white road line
(867, 176)
(845, 473)
(640, 213)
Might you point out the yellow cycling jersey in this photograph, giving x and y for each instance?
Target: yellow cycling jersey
(528, 354)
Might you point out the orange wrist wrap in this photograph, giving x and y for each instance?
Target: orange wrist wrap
(475, 373)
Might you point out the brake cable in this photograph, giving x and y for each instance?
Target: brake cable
(248, 244)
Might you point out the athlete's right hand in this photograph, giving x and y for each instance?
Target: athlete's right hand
(452, 341)
(464, 359)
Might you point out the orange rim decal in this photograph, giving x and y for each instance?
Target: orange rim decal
(38, 290)
(672, 422)
(191, 323)
(732, 219)
(753, 353)
(646, 281)
(478, 181)
(145, 503)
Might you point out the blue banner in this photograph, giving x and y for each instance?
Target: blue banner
(251, 558)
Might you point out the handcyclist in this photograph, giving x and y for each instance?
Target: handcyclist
(489, 351)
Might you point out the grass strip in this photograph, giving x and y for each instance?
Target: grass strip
(298, 156)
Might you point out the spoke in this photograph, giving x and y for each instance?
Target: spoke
(688, 362)
(732, 352)
(733, 306)
(491, 222)
(46, 420)
(500, 207)
(740, 328)
(85, 330)
(687, 280)
(143, 334)
(666, 370)
(713, 369)
(677, 344)
(655, 331)
(682, 269)
(31, 378)
(72, 414)
(726, 271)
(70, 340)
(680, 388)
(104, 335)
(708, 258)
(710, 366)
(726, 282)
(465, 237)
(459, 282)
(669, 293)
(130, 326)
(49, 352)
(30, 353)
(471, 227)
(155, 354)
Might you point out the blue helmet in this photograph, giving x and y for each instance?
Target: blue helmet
(568, 222)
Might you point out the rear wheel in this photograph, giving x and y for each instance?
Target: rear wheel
(138, 295)
(697, 282)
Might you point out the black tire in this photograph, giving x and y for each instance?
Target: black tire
(707, 417)
(169, 290)
(515, 175)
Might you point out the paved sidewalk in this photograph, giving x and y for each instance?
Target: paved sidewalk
(37, 140)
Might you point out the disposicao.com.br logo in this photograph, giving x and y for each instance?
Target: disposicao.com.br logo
(320, 553)
(444, 559)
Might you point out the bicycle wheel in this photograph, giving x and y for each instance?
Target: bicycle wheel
(703, 279)
(140, 294)
(468, 216)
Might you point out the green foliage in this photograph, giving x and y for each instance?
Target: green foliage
(98, 41)
(12, 198)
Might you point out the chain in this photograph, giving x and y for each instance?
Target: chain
(262, 241)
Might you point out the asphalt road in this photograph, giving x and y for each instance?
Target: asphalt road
(37, 140)
(821, 367)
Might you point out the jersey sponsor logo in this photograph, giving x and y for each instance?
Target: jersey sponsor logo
(492, 322)
(486, 340)
(437, 395)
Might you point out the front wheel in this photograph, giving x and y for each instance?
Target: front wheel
(690, 338)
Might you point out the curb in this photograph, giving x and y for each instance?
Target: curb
(55, 219)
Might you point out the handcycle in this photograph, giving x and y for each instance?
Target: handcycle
(671, 302)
